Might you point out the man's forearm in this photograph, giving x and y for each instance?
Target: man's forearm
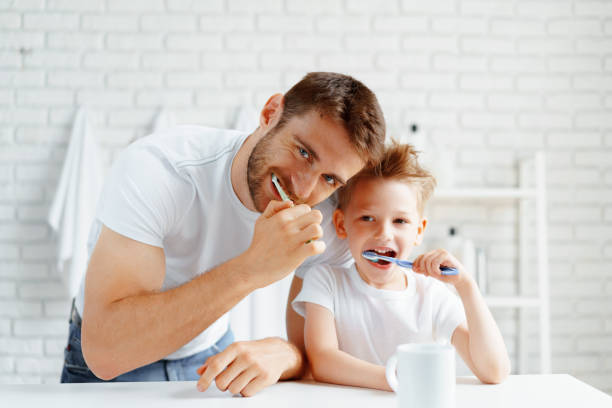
(140, 329)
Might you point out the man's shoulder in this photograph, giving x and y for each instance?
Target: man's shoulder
(190, 144)
(328, 206)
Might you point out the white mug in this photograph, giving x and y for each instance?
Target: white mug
(425, 375)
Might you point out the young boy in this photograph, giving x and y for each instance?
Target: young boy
(356, 316)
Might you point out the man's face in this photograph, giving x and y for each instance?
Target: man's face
(311, 155)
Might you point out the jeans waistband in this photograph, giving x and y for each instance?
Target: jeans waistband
(74, 314)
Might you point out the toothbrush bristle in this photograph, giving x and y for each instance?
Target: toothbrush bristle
(370, 255)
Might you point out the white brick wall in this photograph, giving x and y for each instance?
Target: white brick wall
(494, 80)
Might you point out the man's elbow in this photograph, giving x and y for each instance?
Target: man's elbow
(100, 368)
(100, 364)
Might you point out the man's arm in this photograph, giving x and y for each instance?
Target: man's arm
(128, 322)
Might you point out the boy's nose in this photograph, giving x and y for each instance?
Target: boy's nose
(303, 184)
(383, 231)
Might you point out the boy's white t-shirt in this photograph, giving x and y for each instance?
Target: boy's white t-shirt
(173, 190)
(371, 322)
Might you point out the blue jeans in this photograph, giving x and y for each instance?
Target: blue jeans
(76, 371)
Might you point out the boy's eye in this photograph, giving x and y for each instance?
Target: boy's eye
(400, 221)
(367, 218)
(329, 180)
(304, 153)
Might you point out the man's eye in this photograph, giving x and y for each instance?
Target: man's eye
(329, 180)
(367, 218)
(304, 153)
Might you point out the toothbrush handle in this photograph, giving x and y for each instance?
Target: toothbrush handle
(445, 269)
(402, 263)
(448, 271)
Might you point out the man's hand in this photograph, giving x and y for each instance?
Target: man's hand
(248, 367)
(279, 241)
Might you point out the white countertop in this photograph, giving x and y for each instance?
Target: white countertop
(523, 391)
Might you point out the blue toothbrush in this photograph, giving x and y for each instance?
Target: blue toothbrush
(374, 257)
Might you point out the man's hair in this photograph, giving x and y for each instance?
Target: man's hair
(344, 100)
(399, 162)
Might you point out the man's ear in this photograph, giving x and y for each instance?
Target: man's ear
(421, 231)
(338, 219)
(272, 111)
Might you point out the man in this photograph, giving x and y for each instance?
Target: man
(189, 223)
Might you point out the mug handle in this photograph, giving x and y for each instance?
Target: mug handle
(390, 372)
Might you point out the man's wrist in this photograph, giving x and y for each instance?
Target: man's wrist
(245, 272)
(294, 360)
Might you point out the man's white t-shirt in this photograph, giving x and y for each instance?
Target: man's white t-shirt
(173, 190)
(371, 322)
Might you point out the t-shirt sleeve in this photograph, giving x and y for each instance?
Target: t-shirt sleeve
(318, 287)
(144, 196)
(448, 312)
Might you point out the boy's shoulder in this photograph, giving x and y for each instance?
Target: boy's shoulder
(327, 269)
(335, 274)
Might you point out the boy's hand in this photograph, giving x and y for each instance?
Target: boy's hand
(429, 265)
(279, 241)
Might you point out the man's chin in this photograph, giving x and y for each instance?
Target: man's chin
(261, 203)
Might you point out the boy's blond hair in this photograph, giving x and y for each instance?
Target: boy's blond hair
(399, 162)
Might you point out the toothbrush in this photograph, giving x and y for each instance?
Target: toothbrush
(374, 257)
(282, 193)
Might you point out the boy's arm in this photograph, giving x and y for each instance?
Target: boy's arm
(295, 327)
(328, 363)
(480, 344)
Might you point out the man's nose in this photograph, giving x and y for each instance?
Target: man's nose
(303, 184)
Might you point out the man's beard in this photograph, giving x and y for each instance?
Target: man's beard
(257, 169)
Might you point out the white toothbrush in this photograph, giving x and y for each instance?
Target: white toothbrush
(283, 195)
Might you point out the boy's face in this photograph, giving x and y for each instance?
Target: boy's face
(381, 216)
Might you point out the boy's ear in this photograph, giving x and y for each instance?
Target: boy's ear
(421, 231)
(338, 219)
(272, 111)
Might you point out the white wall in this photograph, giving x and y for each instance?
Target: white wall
(495, 80)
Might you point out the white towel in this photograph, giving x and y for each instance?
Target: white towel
(73, 209)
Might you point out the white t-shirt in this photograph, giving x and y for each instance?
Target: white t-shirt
(173, 190)
(371, 322)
